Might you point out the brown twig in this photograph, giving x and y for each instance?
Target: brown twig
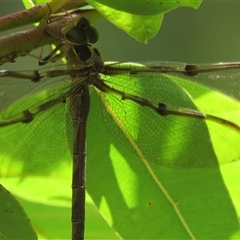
(13, 45)
(36, 13)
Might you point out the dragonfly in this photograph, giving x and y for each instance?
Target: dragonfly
(155, 109)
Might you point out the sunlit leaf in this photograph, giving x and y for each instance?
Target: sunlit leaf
(142, 7)
(140, 19)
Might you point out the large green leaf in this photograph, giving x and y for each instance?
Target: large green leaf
(130, 196)
(142, 200)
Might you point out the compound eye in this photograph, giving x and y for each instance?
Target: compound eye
(83, 23)
(82, 33)
(92, 34)
(76, 36)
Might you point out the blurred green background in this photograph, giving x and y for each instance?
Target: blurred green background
(209, 34)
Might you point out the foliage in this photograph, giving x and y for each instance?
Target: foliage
(138, 200)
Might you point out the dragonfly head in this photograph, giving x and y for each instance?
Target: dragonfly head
(79, 32)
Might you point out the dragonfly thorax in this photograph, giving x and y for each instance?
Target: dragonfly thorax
(84, 56)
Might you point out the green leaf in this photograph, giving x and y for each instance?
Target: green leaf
(225, 140)
(142, 28)
(14, 223)
(143, 200)
(141, 7)
(140, 19)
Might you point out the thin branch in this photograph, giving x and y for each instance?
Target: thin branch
(14, 45)
(36, 13)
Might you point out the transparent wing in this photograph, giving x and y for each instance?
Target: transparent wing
(28, 145)
(171, 140)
